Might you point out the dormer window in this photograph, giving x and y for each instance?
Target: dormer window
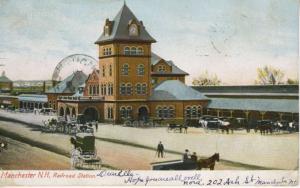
(133, 30)
(108, 27)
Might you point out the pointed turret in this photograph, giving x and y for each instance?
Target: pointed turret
(118, 28)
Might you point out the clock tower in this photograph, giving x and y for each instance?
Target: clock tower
(124, 59)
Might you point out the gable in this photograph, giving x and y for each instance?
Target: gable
(162, 65)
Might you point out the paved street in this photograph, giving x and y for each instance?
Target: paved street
(272, 151)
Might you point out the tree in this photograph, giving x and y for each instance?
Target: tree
(291, 81)
(269, 75)
(205, 79)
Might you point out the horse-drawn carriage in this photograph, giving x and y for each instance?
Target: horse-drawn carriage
(187, 164)
(84, 154)
(146, 123)
(175, 128)
(209, 123)
(69, 126)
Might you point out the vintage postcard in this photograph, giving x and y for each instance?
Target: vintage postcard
(149, 92)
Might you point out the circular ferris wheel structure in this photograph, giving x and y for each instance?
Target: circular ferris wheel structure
(73, 63)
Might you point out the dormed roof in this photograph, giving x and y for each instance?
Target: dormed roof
(4, 79)
(175, 90)
(70, 84)
(120, 28)
(175, 70)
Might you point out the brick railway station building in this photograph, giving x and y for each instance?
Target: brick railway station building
(134, 82)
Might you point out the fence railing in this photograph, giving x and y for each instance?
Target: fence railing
(80, 98)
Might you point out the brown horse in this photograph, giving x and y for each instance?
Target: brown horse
(208, 163)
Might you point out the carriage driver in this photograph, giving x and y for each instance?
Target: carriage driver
(186, 156)
(194, 157)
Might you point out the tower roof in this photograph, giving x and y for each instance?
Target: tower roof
(119, 28)
(4, 79)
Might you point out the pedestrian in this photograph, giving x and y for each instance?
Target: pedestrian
(96, 125)
(160, 150)
(185, 129)
(194, 157)
(180, 128)
(186, 155)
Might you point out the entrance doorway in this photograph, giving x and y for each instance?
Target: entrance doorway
(91, 114)
(61, 111)
(143, 113)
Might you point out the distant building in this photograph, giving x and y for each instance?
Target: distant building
(91, 86)
(258, 102)
(9, 101)
(29, 101)
(67, 87)
(6, 85)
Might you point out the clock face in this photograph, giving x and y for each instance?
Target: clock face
(133, 30)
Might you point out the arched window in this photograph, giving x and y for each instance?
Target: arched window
(140, 51)
(144, 88)
(140, 70)
(126, 50)
(123, 89)
(188, 112)
(138, 89)
(194, 113)
(111, 89)
(199, 111)
(165, 112)
(123, 112)
(129, 89)
(159, 112)
(103, 71)
(104, 89)
(110, 113)
(90, 90)
(97, 91)
(104, 51)
(110, 70)
(133, 51)
(171, 112)
(94, 90)
(129, 111)
(125, 69)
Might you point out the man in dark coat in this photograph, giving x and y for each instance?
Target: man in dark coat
(160, 150)
(194, 157)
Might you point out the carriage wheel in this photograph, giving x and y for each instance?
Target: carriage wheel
(168, 129)
(206, 129)
(135, 123)
(127, 123)
(150, 124)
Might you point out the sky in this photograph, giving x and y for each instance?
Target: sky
(229, 38)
